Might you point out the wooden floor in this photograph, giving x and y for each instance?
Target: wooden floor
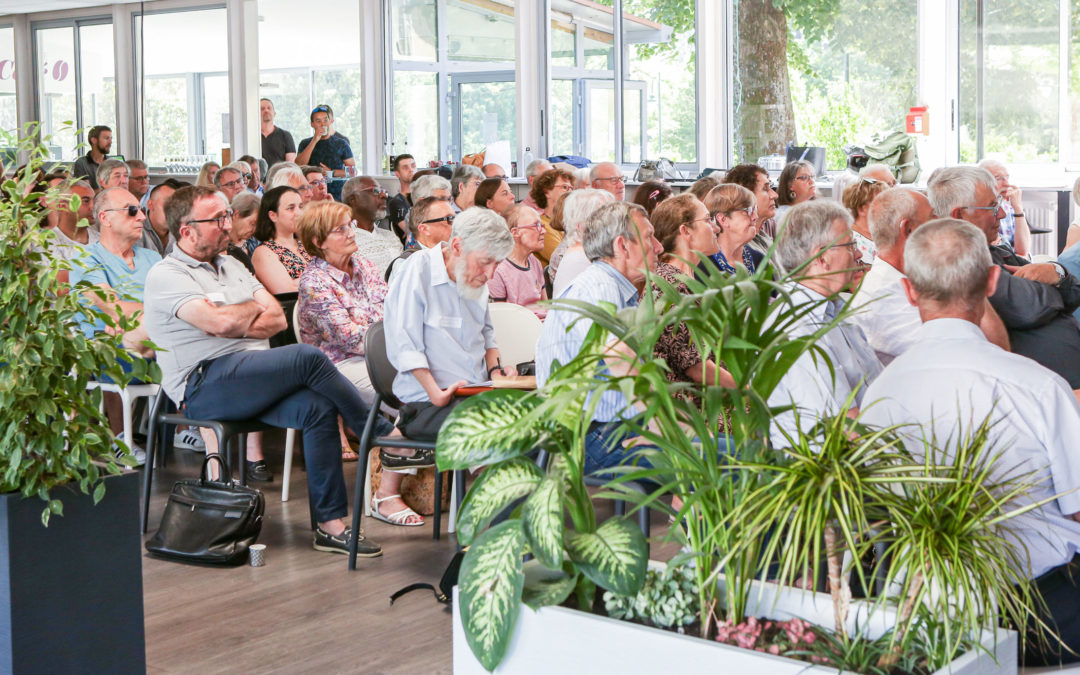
(304, 611)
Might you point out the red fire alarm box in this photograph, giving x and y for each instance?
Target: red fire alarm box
(918, 120)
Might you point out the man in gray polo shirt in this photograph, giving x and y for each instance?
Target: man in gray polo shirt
(211, 319)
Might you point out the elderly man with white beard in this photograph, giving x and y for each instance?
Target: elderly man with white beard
(438, 329)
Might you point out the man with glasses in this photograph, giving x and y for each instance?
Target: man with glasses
(230, 181)
(1034, 300)
(317, 180)
(1013, 228)
(212, 320)
(367, 201)
(138, 180)
(607, 176)
(277, 144)
(326, 149)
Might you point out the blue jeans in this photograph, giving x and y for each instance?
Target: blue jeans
(295, 387)
(604, 449)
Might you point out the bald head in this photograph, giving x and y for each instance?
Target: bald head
(949, 268)
(895, 214)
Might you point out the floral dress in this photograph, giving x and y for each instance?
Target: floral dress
(336, 308)
(294, 263)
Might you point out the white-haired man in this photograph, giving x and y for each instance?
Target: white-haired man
(438, 330)
(820, 232)
(608, 176)
(1013, 228)
(1035, 301)
(885, 316)
(952, 378)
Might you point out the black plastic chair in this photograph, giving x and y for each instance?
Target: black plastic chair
(231, 438)
(382, 374)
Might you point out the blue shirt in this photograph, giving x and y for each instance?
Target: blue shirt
(101, 266)
(1070, 260)
(332, 151)
(560, 341)
(429, 325)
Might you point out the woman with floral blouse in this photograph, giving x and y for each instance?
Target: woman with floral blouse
(341, 295)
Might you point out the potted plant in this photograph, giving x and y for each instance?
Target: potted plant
(71, 546)
(761, 514)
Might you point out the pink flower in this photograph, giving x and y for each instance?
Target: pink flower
(774, 649)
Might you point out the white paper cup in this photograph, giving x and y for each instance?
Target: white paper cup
(257, 555)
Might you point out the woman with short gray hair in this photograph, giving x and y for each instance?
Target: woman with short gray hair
(463, 183)
(569, 258)
(808, 230)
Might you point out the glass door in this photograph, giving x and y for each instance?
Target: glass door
(483, 112)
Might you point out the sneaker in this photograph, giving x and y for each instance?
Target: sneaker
(257, 471)
(138, 453)
(365, 548)
(189, 439)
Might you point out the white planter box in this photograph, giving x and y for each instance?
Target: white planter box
(554, 639)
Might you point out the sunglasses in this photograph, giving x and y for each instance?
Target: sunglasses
(132, 210)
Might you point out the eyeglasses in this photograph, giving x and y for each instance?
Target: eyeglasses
(617, 179)
(805, 179)
(699, 220)
(139, 178)
(305, 188)
(562, 186)
(344, 230)
(750, 211)
(235, 183)
(449, 220)
(217, 220)
(247, 176)
(871, 181)
(132, 210)
(499, 176)
(538, 226)
(993, 209)
(374, 189)
(317, 181)
(850, 244)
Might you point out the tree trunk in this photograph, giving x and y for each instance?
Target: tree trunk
(764, 118)
(838, 586)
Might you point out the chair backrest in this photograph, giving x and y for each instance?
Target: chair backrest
(287, 336)
(380, 370)
(516, 331)
(296, 323)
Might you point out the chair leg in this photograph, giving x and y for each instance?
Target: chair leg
(125, 399)
(240, 443)
(437, 519)
(366, 439)
(153, 437)
(367, 492)
(620, 507)
(290, 438)
(644, 522)
(457, 489)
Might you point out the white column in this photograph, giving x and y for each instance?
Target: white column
(243, 23)
(373, 81)
(25, 82)
(714, 75)
(126, 139)
(939, 25)
(532, 71)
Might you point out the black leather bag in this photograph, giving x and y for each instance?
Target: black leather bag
(209, 522)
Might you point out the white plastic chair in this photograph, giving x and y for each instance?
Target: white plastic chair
(516, 331)
(128, 395)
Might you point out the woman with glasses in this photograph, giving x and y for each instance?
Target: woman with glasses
(684, 228)
(796, 185)
(857, 198)
(545, 191)
(520, 278)
(279, 260)
(735, 211)
(463, 183)
(341, 295)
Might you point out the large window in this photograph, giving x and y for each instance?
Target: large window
(9, 115)
(55, 55)
(297, 75)
(821, 73)
(184, 91)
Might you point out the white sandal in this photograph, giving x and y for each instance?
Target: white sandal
(396, 518)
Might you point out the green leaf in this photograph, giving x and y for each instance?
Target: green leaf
(496, 488)
(547, 588)
(488, 428)
(615, 556)
(489, 587)
(99, 492)
(542, 519)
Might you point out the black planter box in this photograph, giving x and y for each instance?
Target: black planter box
(71, 594)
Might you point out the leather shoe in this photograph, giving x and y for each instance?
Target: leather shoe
(257, 472)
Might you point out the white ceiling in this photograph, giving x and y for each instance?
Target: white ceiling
(28, 6)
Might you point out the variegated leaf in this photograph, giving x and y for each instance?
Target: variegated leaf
(487, 428)
(614, 557)
(489, 591)
(549, 588)
(542, 518)
(496, 488)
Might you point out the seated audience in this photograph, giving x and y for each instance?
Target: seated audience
(206, 174)
(734, 209)
(212, 320)
(397, 207)
(326, 148)
(1013, 228)
(494, 171)
(86, 202)
(577, 207)
(857, 198)
(951, 379)
(86, 167)
(430, 223)
(255, 174)
(650, 193)
(520, 278)
(756, 180)
(795, 186)
(113, 173)
(138, 180)
(367, 202)
(545, 191)
(494, 194)
(1035, 301)
(290, 175)
(279, 259)
(230, 181)
(888, 320)
(155, 231)
(607, 176)
(438, 328)
(317, 180)
(431, 185)
(245, 207)
(464, 181)
(820, 232)
(534, 169)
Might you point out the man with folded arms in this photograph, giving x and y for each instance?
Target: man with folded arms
(212, 320)
(438, 329)
(952, 378)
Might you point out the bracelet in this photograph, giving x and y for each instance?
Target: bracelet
(1018, 215)
(497, 366)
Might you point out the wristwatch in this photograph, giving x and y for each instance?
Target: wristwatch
(1061, 271)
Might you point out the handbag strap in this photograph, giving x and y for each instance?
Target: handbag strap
(226, 475)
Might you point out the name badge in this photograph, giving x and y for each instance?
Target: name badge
(216, 298)
(450, 322)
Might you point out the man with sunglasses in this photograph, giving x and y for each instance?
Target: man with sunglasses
(326, 149)
(230, 181)
(430, 223)
(212, 320)
(367, 201)
(1034, 300)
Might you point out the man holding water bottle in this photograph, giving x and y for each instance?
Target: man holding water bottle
(326, 149)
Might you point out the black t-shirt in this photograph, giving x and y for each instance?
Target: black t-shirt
(276, 146)
(397, 210)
